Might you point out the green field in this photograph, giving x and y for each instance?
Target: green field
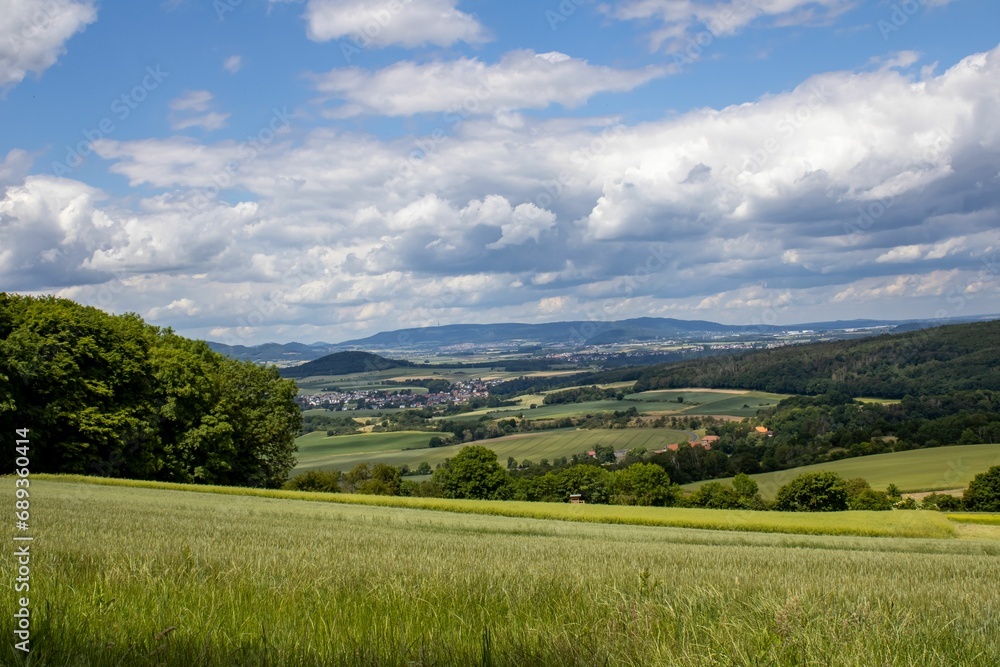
(935, 469)
(702, 402)
(329, 453)
(264, 581)
(318, 446)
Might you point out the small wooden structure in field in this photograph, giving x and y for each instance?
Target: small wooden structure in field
(576, 499)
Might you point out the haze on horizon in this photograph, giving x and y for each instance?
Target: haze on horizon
(324, 170)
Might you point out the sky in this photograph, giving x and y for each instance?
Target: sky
(249, 171)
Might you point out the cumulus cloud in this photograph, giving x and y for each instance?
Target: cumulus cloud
(407, 23)
(59, 231)
(521, 80)
(859, 189)
(33, 35)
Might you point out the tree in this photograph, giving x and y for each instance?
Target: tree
(716, 495)
(604, 454)
(384, 480)
(813, 492)
(744, 486)
(942, 502)
(113, 396)
(983, 494)
(325, 481)
(870, 499)
(592, 482)
(473, 473)
(643, 484)
(424, 468)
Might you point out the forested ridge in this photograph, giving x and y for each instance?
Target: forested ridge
(111, 395)
(930, 361)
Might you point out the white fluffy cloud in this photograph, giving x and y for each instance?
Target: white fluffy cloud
(521, 80)
(34, 34)
(857, 189)
(392, 22)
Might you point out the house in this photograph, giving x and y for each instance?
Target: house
(709, 440)
(577, 499)
(763, 430)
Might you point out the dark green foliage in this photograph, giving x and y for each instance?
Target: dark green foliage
(110, 395)
(930, 361)
(643, 484)
(813, 492)
(716, 495)
(324, 481)
(473, 473)
(870, 499)
(342, 363)
(579, 395)
(942, 502)
(384, 480)
(983, 494)
(744, 486)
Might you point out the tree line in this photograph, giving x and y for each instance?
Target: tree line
(475, 473)
(938, 360)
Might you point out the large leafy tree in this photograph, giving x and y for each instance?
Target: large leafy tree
(983, 494)
(111, 395)
(474, 473)
(813, 492)
(644, 484)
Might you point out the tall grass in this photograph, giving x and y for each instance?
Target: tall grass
(246, 580)
(872, 524)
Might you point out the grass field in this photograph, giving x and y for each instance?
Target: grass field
(265, 581)
(935, 469)
(714, 402)
(328, 452)
(318, 446)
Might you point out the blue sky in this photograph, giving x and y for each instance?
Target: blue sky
(247, 171)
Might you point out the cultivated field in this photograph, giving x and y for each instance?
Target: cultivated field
(338, 452)
(317, 446)
(132, 576)
(708, 402)
(935, 469)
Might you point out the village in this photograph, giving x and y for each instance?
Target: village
(382, 399)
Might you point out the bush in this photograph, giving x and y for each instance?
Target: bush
(813, 492)
(716, 495)
(942, 503)
(870, 499)
(983, 494)
(323, 481)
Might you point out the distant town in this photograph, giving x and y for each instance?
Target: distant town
(404, 397)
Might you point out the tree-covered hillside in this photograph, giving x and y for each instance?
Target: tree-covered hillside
(342, 363)
(930, 361)
(111, 395)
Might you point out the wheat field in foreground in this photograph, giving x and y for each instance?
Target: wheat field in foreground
(245, 580)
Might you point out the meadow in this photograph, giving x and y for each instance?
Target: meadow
(708, 402)
(317, 446)
(935, 469)
(345, 452)
(140, 576)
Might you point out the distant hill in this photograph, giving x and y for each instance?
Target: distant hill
(929, 361)
(576, 334)
(342, 363)
(274, 352)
